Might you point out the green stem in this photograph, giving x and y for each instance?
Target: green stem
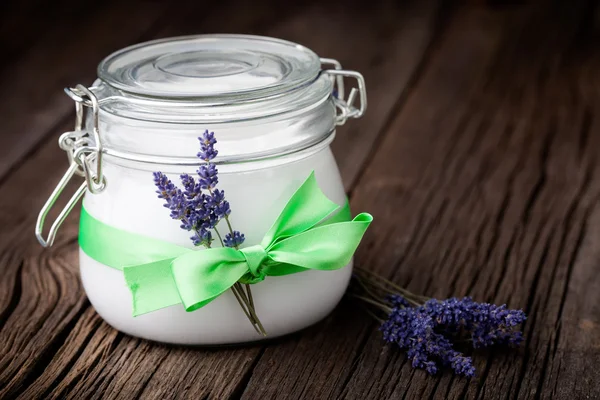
(251, 310)
(219, 235)
(382, 306)
(240, 292)
(365, 287)
(400, 289)
(229, 224)
(248, 290)
(372, 314)
(249, 295)
(260, 325)
(374, 285)
(377, 285)
(237, 296)
(392, 284)
(247, 303)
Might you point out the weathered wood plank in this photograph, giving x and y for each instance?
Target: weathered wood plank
(49, 302)
(483, 184)
(493, 195)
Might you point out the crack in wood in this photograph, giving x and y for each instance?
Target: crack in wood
(241, 386)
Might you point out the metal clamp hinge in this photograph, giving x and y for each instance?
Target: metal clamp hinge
(346, 108)
(84, 152)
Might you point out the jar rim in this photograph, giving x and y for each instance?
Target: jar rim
(210, 78)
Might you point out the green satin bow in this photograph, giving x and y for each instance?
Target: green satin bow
(160, 274)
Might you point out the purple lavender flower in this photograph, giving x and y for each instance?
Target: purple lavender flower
(164, 185)
(217, 202)
(173, 196)
(199, 211)
(223, 209)
(398, 301)
(189, 185)
(191, 189)
(209, 178)
(490, 324)
(462, 365)
(207, 146)
(202, 237)
(234, 239)
(216, 197)
(421, 330)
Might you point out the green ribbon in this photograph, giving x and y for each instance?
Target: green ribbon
(160, 274)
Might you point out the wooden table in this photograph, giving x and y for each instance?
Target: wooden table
(478, 158)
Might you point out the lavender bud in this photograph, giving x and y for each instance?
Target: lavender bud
(234, 240)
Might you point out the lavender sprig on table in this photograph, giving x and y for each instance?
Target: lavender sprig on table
(426, 328)
(200, 206)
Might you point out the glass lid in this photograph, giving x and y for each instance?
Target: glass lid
(210, 67)
(265, 97)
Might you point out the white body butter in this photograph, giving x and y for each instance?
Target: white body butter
(284, 304)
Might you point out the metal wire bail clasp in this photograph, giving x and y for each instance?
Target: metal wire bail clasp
(84, 151)
(346, 107)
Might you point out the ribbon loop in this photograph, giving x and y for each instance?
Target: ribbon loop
(255, 256)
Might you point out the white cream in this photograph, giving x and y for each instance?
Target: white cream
(257, 196)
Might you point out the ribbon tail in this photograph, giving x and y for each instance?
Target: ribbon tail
(145, 261)
(152, 286)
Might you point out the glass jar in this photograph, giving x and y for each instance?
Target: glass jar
(273, 106)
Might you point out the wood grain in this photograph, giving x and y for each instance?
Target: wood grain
(478, 159)
(486, 182)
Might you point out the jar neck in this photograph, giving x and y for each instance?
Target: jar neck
(242, 141)
(176, 167)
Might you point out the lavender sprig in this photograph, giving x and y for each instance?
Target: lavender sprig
(200, 206)
(426, 328)
(208, 180)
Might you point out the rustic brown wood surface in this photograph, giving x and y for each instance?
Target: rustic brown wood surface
(478, 158)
